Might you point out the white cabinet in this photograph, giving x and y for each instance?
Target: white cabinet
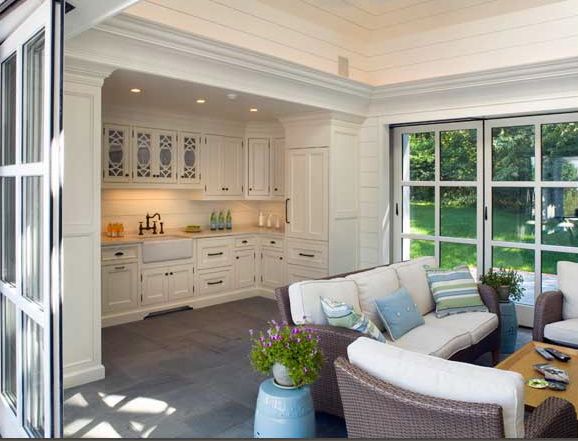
(245, 268)
(119, 287)
(214, 281)
(116, 159)
(154, 155)
(168, 283)
(272, 268)
(297, 273)
(181, 282)
(189, 154)
(223, 165)
(309, 253)
(307, 202)
(258, 150)
(214, 252)
(277, 167)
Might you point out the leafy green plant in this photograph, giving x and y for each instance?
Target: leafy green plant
(504, 277)
(297, 348)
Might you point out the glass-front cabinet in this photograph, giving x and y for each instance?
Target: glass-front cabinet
(154, 155)
(189, 158)
(116, 165)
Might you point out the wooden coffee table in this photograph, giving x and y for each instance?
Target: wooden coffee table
(523, 361)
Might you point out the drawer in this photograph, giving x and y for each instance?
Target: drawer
(214, 281)
(296, 273)
(119, 253)
(307, 253)
(245, 241)
(272, 242)
(213, 253)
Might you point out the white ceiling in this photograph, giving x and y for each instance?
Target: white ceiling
(176, 96)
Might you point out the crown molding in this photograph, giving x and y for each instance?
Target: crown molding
(85, 72)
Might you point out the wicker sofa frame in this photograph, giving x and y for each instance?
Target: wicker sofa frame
(548, 309)
(334, 342)
(376, 409)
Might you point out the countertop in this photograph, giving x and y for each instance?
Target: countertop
(178, 234)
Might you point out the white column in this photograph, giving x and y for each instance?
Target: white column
(82, 358)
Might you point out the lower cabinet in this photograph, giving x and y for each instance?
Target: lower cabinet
(296, 273)
(245, 268)
(119, 287)
(214, 281)
(272, 268)
(160, 285)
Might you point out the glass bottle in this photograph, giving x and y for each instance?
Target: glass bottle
(213, 221)
(221, 220)
(229, 221)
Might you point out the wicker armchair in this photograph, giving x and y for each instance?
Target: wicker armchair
(548, 309)
(334, 342)
(376, 409)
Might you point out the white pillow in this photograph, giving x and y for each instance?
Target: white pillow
(374, 284)
(305, 298)
(568, 284)
(413, 277)
(446, 379)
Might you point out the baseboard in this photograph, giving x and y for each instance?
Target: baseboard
(79, 376)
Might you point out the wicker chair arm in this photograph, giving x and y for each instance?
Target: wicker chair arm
(554, 418)
(490, 298)
(548, 309)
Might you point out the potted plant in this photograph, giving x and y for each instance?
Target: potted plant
(292, 354)
(508, 284)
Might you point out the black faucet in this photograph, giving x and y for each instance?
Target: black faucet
(148, 227)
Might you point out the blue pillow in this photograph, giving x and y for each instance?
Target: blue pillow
(399, 313)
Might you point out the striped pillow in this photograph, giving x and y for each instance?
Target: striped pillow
(454, 291)
(344, 316)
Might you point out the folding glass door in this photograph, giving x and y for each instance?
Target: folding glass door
(30, 365)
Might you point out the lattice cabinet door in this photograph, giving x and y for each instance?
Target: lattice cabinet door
(189, 164)
(116, 158)
(165, 158)
(143, 153)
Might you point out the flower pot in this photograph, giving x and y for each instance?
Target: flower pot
(503, 293)
(508, 327)
(281, 375)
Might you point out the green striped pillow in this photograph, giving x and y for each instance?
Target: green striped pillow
(454, 291)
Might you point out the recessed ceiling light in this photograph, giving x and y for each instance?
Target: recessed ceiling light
(232, 96)
(253, 109)
(201, 101)
(135, 90)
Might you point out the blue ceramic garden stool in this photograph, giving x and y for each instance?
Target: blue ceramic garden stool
(509, 327)
(284, 413)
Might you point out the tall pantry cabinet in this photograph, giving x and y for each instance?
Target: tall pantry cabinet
(322, 197)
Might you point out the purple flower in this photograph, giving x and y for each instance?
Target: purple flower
(295, 331)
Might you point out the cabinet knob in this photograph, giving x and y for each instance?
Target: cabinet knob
(126, 175)
(171, 274)
(237, 257)
(250, 189)
(280, 258)
(166, 274)
(276, 189)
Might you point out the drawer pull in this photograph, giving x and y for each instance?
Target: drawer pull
(245, 241)
(272, 242)
(119, 253)
(215, 283)
(215, 254)
(119, 267)
(306, 255)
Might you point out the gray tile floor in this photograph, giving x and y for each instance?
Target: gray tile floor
(181, 375)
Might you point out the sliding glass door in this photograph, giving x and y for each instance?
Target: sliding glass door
(502, 193)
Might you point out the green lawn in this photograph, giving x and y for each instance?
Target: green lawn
(507, 225)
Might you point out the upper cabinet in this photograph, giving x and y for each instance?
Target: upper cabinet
(189, 170)
(154, 155)
(116, 164)
(258, 150)
(223, 165)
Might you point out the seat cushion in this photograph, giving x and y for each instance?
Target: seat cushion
(342, 315)
(398, 313)
(435, 341)
(446, 379)
(564, 332)
(477, 324)
(568, 284)
(372, 285)
(412, 277)
(305, 298)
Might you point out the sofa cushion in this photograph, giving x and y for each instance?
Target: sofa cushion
(412, 277)
(305, 298)
(446, 379)
(568, 284)
(342, 315)
(564, 332)
(398, 313)
(454, 291)
(477, 324)
(435, 341)
(372, 285)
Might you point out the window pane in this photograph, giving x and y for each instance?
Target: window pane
(513, 214)
(418, 156)
(33, 378)
(550, 261)
(560, 152)
(8, 350)
(560, 216)
(455, 254)
(458, 211)
(413, 248)
(513, 153)
(523, 262)
(7, 230)
(8, 111)
(458, 151)
(32, 238)
(33, 99)
(418, 210)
